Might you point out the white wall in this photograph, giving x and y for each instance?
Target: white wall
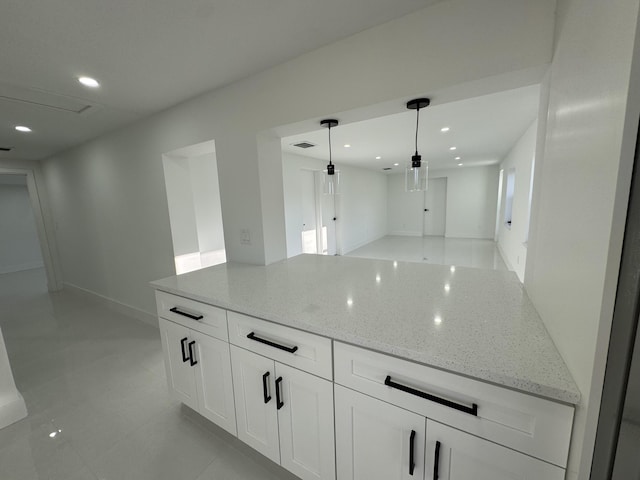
(362, 207)
(581, 193)
(19, 246)
(404, 209)
(178, 183)
(108, 194)
(472, 194)
(206, 202)
(512, 241)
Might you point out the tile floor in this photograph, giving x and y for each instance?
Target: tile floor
(462, 252)
(95, 388)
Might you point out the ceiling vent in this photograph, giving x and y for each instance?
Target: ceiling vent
(304, 144)
(35, 98)
(5, 149)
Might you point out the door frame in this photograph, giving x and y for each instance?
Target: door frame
(46, 238)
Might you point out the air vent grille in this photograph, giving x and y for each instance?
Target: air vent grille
(304, 144)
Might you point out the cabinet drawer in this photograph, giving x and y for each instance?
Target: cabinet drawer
(198, 316)
(298, 349)
(526, 423)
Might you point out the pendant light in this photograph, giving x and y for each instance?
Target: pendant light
(331, 177)
(417, 171)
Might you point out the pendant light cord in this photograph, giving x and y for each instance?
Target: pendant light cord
(417, 124)
(330, 145)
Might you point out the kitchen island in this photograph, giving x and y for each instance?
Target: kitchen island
(461, 347)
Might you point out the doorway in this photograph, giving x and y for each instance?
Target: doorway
(195, 211)
(318, 211)
(435, 208)
(26, 245)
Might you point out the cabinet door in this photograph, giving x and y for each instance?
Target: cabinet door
(305, 420)
(376, 440)
(255, 399)
(180, 373)
(213, 381)
(462, 456)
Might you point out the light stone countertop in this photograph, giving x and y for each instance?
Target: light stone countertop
(479, 323)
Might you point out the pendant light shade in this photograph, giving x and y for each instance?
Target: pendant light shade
(417, 171)
(331, 176)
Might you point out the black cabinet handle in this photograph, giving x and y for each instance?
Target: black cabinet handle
(265, 387)
(252, 336)
(192, 354)
(436, 462)
(186, 314)
(182, 347)
(412, 440)
(472, 410)
(279, 402)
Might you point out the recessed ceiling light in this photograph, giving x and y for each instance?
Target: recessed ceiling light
(445, 129)
(22, 128)
(458, 158)
(378, 158)
(89, 82)
(346, 145)
(396, 164)
(453, 148)
(460, 164)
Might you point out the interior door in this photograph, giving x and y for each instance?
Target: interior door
(455, 455)
(255, 399)
(376, 440)
(214, 384)
(180, 373)
(308, 210)
(435, 207)
(305, 417)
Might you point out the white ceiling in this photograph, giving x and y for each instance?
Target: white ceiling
(483, 129)
(149, 56)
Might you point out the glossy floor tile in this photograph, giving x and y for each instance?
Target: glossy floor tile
(464, 252)
(94, 385)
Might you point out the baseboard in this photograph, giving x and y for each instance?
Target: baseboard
(21, 267)
(128, 310)
(12, 411)
(504, 258)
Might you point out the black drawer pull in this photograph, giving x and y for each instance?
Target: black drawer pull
(436, 462)
(252, 336)
(192, 354)
(279, 402)
(412, 440)
(265, 387)
(183, 346)
(473, 410)
(186, 314)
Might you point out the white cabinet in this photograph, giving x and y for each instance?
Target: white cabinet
(305, 421)
(455, 455)
(198, 371)
(180, 373)
(285, 414)
(253, 380)
(213, 381)
(531, 425)
(376, 440)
